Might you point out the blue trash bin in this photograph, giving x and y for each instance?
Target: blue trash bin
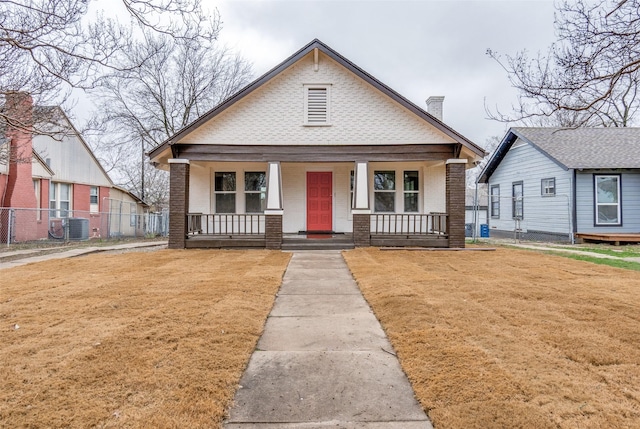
(484, 230)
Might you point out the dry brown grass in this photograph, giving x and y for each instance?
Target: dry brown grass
(137, 340)
(511, 338)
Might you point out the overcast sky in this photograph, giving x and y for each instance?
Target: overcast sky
(419, 48)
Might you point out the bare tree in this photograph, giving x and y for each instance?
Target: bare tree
(589, 77)
(49, 47)
(140, 107)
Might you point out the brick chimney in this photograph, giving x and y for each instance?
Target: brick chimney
(19, 110)
(434, 106)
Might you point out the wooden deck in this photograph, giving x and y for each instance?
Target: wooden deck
(614, 238)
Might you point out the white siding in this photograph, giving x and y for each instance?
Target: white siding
(201, 199)
(630, 186)
(274, 113)
(525, 163)
(70, 160)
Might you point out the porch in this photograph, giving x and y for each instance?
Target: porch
(612, 238)
(257, 230)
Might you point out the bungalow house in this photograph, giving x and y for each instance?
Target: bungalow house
(52, 176)
(565, 184)
(317, 147)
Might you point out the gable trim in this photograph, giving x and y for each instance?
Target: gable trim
(313, 46)
(503, 148)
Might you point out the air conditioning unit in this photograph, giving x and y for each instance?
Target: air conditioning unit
(78, 228)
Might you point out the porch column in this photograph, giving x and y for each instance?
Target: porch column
(178, 202)
(361, 211)
(274, 210)
(455, 193)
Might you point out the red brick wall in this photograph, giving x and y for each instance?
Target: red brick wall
(19, 191)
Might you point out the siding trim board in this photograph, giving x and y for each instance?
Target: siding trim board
(314, 153)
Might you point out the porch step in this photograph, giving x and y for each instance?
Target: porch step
(318, 242)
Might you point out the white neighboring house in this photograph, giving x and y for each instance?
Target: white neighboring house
(317, 146)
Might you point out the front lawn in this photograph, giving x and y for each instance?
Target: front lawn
(510, 338)
(135, 340)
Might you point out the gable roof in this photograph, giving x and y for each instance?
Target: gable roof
(574, 148)
(317, 44)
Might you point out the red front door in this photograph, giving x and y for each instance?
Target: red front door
(319, 201)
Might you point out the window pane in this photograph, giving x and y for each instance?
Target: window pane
(255, 202)
(255, 181)
(608, 214)
(225, 203)
(411, 181)
(64, 207)
(384, 180)
(225, 182)
(607, 188)
(384, 201)
(52, 191)
(64, 192)
(411, 202)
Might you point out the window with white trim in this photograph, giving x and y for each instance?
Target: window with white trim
(59, 199)
(351, 184)
(384, 191)
(548, 187)
(133, 214)
(93, 199)
(255, 191)
(317, 102)
(411, 191)
(225, 192)
(36, 189)
(607, 200)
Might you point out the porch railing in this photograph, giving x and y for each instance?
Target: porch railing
(225, 224)
(409, 224)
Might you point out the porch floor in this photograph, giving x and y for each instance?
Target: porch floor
(614, 238)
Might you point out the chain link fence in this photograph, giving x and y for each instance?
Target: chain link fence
(530, 218)
(36, 225)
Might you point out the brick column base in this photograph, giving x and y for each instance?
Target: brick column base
(455, 202)
(178, 204)
(273, 231)
(361, 230)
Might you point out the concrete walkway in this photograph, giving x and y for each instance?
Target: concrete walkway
(78, 251)
(323, 359)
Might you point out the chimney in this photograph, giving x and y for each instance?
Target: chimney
(19, 191)
(434, 106)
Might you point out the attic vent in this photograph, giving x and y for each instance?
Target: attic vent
(316, 104)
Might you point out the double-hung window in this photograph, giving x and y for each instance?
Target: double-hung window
(255, 191)
(384, 190)
(607, 200)
(411, 191)
(495, 201)
(93, 199)
(59, 199)
(225, 192)
(518, 202)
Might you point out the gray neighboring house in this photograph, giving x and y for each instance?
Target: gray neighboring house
(563, 184)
